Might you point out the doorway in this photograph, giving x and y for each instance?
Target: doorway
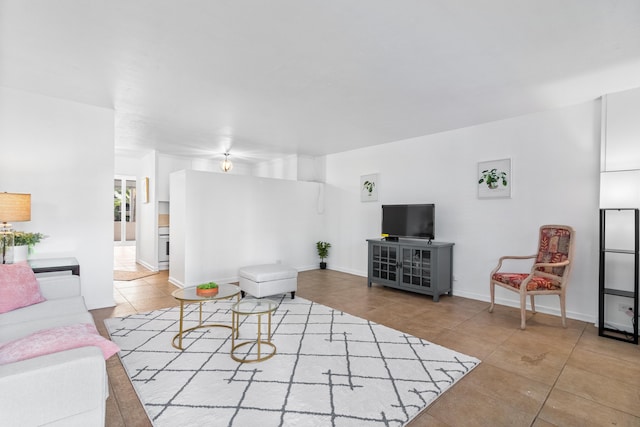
(124, 210)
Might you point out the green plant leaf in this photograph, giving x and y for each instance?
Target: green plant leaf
(209, 285)
(22, 238)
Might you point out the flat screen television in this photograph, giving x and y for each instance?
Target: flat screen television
(413, 221)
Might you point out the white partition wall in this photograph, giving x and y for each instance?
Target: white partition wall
(62, 153)
(221, 222)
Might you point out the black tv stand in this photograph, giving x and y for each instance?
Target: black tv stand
(391, 238)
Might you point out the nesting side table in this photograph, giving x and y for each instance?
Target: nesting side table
(253, 307)
(189, 295)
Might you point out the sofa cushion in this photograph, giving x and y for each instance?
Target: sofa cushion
(18, 287)
(55, 287)
(19, 330)
(54, 340)
(44, 310)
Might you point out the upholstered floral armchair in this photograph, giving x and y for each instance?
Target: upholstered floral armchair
(548, 275)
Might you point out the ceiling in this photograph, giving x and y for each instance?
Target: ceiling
(266, 79)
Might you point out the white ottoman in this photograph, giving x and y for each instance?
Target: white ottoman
(268, 279)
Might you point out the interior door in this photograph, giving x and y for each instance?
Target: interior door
(124, 210)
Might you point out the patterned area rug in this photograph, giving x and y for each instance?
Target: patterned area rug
(122, 275)
(330, 369)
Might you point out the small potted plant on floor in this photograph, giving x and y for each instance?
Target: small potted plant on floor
(323, 252)
(207, 289)
(24, 243)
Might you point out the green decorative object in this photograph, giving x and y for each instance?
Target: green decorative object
(207, 289)
(22, 238)
(210, 285)
(323, 252)
(369, 186)
(493, 178)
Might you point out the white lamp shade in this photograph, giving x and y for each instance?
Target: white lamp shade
(620, 189)
(15, 207)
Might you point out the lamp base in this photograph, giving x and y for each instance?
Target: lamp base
(6, 243)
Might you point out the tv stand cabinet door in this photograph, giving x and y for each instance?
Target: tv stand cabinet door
(437, 271)
(416, 268)
(383, 263)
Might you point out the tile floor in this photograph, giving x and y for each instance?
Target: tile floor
(543, 376)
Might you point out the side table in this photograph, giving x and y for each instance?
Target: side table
(48, 265)
(189, 295)
(252, 307)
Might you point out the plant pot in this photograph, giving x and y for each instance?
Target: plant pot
(323, 266)
(20, 253)
(206, 292)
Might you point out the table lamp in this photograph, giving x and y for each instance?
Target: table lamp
(13, 207)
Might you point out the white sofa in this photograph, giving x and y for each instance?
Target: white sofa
(67, 388)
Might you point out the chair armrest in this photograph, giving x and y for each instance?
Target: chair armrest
(54, 287)
(535, 270)
(63, 384)
(503, 258)
(550, 264)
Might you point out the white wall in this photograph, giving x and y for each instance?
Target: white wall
(158, 167)
(621, 143)
(178, 230)
(311, 168)
(127, 165)
(295, 167)
(221, 222)
(147, 225)
(62, 153)
(166, 165)
(555, 165)
(283, 168)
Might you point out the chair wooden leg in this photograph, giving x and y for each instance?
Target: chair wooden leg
(523, 310)
(563, 311)
(492, 291)
(533, 304)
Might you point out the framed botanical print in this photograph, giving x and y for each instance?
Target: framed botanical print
(494, 179)
(369, 188)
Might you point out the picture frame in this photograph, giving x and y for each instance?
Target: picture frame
(494, 179)
(146, 189)
(369, 187)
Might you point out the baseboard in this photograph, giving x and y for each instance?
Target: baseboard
(541, 308)
(348, 271)
(147, 265)
(176, 282)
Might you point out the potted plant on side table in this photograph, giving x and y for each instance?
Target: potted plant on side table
(24, 243)
(323, 252)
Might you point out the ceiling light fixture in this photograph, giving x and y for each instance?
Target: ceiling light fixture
(226, 165)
